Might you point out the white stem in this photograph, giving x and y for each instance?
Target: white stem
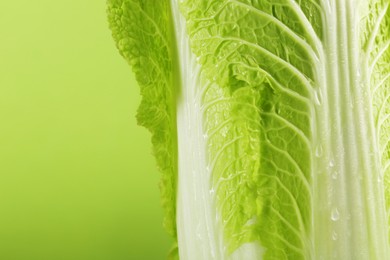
(198, 233)
(349, 212)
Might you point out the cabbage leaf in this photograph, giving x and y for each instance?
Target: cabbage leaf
(270, 122)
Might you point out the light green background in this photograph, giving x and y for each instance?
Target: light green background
(77, 179)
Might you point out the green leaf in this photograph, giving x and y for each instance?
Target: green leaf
(269, 125)
(376, 45)
(143, 33)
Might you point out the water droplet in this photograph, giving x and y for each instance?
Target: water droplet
(335, 215)
(351, 103)
(331, 163)
(318, 97)
(328, 7)
(198, 231)
(335, 175)
(334, 235)
(319, 151)
(212, 191)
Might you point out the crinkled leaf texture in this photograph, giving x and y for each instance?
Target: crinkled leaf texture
(144, 36)
(270, 122)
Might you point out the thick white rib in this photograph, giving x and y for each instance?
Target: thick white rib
(200, 233)
(349, 213)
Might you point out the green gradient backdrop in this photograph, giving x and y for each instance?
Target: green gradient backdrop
(77, 179)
